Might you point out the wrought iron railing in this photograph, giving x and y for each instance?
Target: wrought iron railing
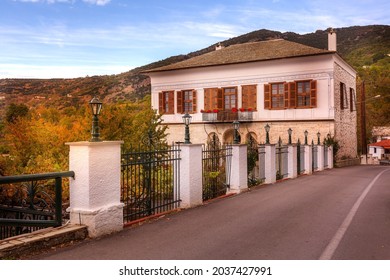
(216, 169)
(30, 202)
(150, 181)
(227, 116)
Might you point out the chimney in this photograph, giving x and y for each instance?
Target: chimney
(332, 40)
(218, 47)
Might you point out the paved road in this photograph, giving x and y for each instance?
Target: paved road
(335, 214)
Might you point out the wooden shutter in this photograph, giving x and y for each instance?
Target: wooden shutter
(292, 94)
(210, 95)
(194, 101)
(219, 99)
(313, 93)
(267, 96)
(249, 97)
(179, 100)
(171, 102)
(161, 102)
(286, 95)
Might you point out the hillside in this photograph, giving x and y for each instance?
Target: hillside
(358, 45)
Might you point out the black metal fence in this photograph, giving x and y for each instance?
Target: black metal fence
(30, 202)
(300, 158)
(314, 157)
(216, 166)
(255, 163)
(150, 181)
(281, 161)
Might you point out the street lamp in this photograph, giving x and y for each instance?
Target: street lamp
(236, 126)
(267, 127)
(187, 121)
(318, 138)
(306, 133)
(96, 107)
(289, 135)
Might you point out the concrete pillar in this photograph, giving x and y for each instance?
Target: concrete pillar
(308, 159)
(191, 183)
(292, 161)
(239, 171)
(320, 158)
(270, 168)
(95, 191)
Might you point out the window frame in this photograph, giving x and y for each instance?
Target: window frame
(306, 94)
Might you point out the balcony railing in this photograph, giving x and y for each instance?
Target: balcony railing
(227, 116)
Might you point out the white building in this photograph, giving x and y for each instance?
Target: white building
(282, 83)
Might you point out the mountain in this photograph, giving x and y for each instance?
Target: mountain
(361, 46)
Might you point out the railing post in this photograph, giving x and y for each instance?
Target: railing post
(292, 161)
(308, 159)
(191, 185)
(95, 190)
(270, 168)
(239, 180)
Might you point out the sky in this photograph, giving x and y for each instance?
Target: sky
(78, 38)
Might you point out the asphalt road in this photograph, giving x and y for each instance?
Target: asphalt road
(335, 214)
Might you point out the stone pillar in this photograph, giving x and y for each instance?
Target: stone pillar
(308, 159)
(320, 157)
(270, 168)
(95, 191)
(239, 169)
(292, 161)
(191, 183)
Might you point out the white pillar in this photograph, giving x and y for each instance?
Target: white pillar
(292, 161)
(239, 171)
(270, 168)
(308, 159)
(95, 191)
(191, 184)
(330, 157)
(320, 158)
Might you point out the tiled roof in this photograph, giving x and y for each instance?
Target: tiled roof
(384, 143)
(248, 52)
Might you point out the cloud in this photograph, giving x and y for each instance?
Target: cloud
(97, 2)
(92, 2)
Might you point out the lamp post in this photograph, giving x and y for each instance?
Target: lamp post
(96, 107)
(289, 135)
(187, 121)
(318, 138)
(236, 126)
(267, 127)
(306, 133)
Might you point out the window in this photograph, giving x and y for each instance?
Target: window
(343, 96)
(352, 99)
(166, 102)
(299, 94)
(249, 97)
(230, 98)
(277, 96)
(186, 101)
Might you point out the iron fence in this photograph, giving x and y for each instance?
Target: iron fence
(281, 161)
(300, 158)
(255, 163)
(150, 181)
(314, 157)
(216, 166)
(31, 202)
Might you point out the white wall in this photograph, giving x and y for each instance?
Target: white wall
(377, 152)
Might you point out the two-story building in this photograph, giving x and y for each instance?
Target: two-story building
(276, 82)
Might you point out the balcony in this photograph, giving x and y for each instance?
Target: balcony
(227, 116)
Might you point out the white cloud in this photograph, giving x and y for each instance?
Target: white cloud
(97, 2)
(93, 2)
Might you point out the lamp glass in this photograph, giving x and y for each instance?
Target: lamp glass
(267, 127)
(289, 131)
(187, 119)
(96, 106)
(236, 125)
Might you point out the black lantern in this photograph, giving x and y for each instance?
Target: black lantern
(267, 128)
(187, 121)
(236, 126)
(96, 107)
(318, 138)
(289, 135)
(306, 134)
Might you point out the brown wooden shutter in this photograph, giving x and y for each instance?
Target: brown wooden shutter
(249, 97)
(219, 99)
(293, 95)
(171, 102)
(313, 93)
(286, 95)
(161, 102)
(194, 102)
(210, 98)
(267, 96)
(179, 100)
